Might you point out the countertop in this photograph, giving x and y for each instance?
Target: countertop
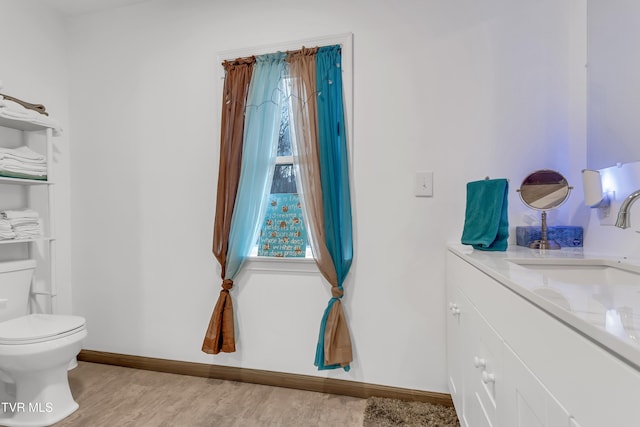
(608, 314)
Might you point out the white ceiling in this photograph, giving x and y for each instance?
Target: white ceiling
(81, 7)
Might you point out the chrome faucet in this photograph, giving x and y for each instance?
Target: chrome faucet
(624, 220)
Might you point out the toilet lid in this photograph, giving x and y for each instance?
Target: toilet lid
(38, 327)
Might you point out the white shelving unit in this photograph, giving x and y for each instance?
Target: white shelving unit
(33, 191)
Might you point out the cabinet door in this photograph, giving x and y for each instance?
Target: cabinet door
(456, 322)
(473, 354)
(527, 402)
(483, 373)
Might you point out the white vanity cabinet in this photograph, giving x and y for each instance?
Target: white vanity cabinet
(527, 401)
(475, 361)
(458, 324)
(18, 193)
(474, 352)
(512, 364)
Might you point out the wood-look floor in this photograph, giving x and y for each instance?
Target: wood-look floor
(116, 396)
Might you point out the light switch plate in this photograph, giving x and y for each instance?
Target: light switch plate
(424, 184)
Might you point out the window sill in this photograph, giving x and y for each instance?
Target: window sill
(277, 264)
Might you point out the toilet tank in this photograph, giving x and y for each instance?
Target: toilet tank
(15, 283)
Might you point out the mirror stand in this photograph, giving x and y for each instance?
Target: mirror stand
(544, 243)
(543, 190)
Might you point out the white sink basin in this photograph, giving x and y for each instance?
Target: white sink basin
(582, 271)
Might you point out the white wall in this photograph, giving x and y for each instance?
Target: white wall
(465, 89)
(34, 66)
(614, 88)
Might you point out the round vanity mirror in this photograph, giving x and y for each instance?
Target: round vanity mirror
(543, 190)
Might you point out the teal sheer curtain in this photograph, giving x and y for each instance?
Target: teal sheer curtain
(262, 124)
(334, 177)
(334, 168)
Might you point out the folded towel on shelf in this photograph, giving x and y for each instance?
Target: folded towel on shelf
(22, 162)
(12, 110)
(28, 105)
(23, 224)
(6, 231)
(21, 175)
(18, 166)
(23, 152)
(486, 224)
(19, 213)
(29, 231)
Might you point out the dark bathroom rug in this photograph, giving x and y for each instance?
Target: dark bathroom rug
(383, 412)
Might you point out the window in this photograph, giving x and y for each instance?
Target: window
(283, 232)
(284, 189)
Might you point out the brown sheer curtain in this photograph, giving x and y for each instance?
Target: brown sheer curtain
(302, 70)
(220, 335)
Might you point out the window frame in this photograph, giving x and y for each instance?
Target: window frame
(345, 40)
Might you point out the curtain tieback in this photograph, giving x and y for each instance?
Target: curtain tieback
(227, 284)
(336, 292)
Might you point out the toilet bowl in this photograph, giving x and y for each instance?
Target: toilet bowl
(35, 353)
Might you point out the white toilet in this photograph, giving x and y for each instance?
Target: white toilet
(36, 351)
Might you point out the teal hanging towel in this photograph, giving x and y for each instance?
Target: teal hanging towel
(486, 222)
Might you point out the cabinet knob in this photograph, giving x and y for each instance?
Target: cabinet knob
(453, 307)
(479, 362)
(488, 378)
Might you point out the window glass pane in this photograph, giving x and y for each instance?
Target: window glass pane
(283, 233)
(284, 179)
(284, 137)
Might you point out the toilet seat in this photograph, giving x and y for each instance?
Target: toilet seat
(36, 328)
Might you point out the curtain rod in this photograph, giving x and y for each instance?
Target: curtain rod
(252, 58)
(342, 39)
